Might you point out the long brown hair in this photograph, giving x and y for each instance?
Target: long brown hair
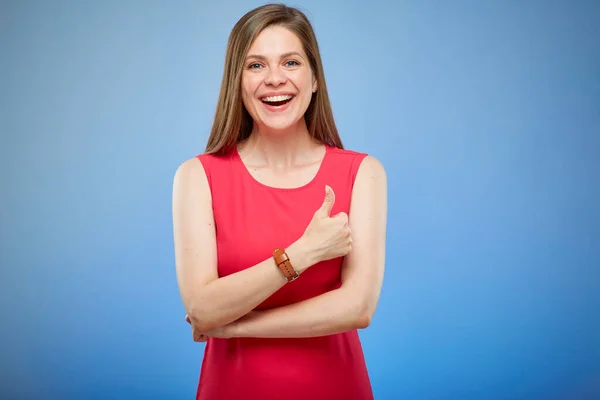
(232, 122)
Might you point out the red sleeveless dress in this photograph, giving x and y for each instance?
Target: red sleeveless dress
(251, 220)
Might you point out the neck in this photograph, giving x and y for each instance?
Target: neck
(278, 148)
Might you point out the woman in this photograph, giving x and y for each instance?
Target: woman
(279, 232)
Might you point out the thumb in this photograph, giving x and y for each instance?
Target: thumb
(327, 205)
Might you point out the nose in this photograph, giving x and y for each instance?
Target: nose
(275, 77)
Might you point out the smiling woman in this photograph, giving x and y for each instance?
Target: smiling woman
(279, 231)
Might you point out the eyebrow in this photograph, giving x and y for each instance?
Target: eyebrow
(284, 55)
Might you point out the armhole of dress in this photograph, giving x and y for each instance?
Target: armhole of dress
(206, 166)
(356, 162)
(206, 163)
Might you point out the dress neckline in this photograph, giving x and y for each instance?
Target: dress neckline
(238, 158)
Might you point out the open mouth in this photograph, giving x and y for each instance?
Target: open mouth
(277, 101)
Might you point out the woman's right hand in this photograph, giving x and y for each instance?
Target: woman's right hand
(197, 336)
(328, 237)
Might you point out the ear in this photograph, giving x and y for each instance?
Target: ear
(314, 86)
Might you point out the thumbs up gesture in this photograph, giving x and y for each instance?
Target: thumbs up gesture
(328, 237)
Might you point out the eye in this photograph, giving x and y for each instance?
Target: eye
(292, 63)
(254, 66)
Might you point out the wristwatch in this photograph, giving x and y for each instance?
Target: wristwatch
(283, 262)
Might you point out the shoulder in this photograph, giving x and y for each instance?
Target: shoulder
(371, 177)
(372, 168)
(190, 169)
(365, 164)
(191, 179)
(199, 169)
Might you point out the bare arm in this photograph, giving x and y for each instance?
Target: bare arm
(211, 301)
(352, 305)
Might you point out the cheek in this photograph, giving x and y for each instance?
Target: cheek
(248, 90)
(250, 84)
(305, 83)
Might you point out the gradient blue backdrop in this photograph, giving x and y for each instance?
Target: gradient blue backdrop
(486, 115)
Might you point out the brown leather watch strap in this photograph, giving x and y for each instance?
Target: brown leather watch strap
(283, 262)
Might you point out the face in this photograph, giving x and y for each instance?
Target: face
(277, 81)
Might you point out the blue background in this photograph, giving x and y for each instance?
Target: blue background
(486, 115)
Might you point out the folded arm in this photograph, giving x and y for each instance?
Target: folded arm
(352, 305)
(210, 301)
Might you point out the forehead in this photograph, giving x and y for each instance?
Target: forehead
(276, 40)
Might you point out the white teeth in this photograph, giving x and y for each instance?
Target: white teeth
(277, 98)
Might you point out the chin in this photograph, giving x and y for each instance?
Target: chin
(281, 125)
